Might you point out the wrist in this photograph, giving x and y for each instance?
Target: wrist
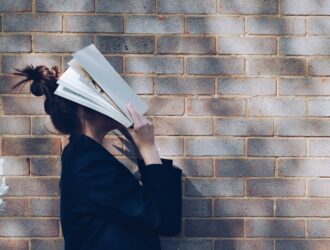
(150, 154)
(148, 147)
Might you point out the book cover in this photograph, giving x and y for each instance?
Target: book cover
(92, 81)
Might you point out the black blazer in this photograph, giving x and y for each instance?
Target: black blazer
(103, 206)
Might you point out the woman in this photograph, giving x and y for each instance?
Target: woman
(103, 206)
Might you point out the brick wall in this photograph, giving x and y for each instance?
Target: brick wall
(238, 92)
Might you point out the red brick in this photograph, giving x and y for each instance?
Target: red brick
(275, 187)
(46, 166)
(26, 227)
(214, 227)
(33, 186)
(243, 207)
(44, 207)
(49, 244)
(244, 245)
(31, 146)
(13, 105)
(14, 244)
(274, 228)
(14, 207)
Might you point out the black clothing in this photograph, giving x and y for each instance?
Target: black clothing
(104, 207)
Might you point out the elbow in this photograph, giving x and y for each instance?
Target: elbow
(175, 229)
(171, 227)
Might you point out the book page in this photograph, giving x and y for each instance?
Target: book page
(71, 80)
(109, 80)
(81, 99)
(90, 81)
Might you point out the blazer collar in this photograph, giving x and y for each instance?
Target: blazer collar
(84, 139)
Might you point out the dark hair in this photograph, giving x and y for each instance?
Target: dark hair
(65, 114)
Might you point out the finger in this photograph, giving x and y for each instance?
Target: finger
(135, 115)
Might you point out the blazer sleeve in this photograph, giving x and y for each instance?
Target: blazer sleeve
(113, 193)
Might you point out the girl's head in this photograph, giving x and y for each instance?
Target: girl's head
(67, 117)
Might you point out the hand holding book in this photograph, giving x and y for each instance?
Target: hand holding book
(144, 136)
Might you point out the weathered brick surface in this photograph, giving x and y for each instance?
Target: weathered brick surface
(15, 43)
(319, 147)
(14, 244)
(195, 167)
(243, 244)
(155, 24)
(38, 244)
(305, 46)
(238, 92)
(318, 228)
(244, 167)
(45, 166)
(318, 107)
(186, 45)
(186, 244)
(154, 64)
(61, 43)
(305, 7)
(12, 165)
(30, 146)
(44, 207)
(276, 147)
(197, 208)
(33, 186)
(214, 228)
(270, 25)
(243, 127)
(14, 207)
(302, 244)
(9, 63)
(16, 105)
(214, 187)
(243, 207)
(302, 127)
(304, 167)
(319, 187)
(32, 22)
(304, 86)
(214, 66)
(28, 227)
(125, 44)
(276, 187)
(188, 6)
(126, 6)
(15, 5)
(247, 45)
(15, 125)
(304, 208)
(273, 106)
(184, 85)
(276, 66)
(182, 126)
(250, 7)
(91, 23)
(319, 67)
(275, 228)
(246, 86)
(65, 6)
(214, 146)
(215, 25)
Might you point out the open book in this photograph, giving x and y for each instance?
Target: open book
(91, 81)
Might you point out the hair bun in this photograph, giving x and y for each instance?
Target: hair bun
(43, 79)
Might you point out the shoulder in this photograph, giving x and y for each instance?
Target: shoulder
(81, 152)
